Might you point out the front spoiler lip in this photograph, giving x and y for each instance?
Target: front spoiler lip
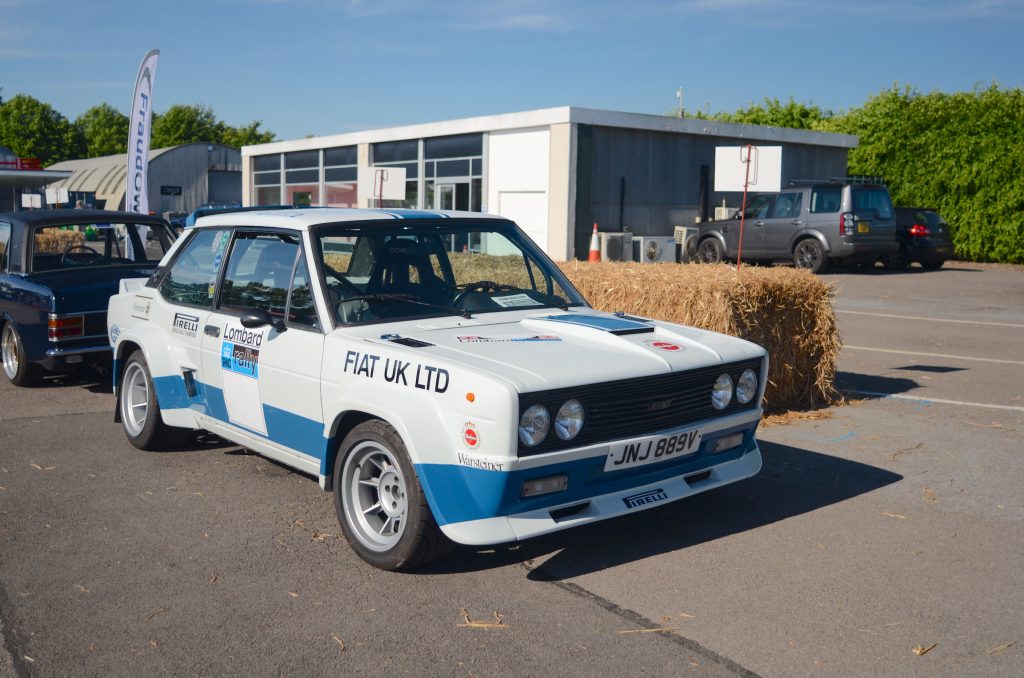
(537, 522)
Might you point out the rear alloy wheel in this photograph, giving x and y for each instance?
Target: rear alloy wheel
(140, 412)
(810, 255)
(380, 504)
(932, 265)
(17, 368)
(710, 251)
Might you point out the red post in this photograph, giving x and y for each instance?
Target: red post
(743, 206)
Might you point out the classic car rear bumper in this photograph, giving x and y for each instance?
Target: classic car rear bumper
(59, 359)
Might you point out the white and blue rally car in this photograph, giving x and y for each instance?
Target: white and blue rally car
(435, 370)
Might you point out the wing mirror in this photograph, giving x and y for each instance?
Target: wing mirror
(258, 317)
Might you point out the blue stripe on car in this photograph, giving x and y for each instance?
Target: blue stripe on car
(459, 493)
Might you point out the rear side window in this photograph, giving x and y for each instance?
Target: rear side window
(5, 238)
(876, 199)
(825, 199)
(191, 278)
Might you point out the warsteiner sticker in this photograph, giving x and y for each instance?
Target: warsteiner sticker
(480, 462)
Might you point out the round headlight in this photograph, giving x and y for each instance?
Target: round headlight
(721, 393)
(534, 425)
(746, 387)
(569, 419)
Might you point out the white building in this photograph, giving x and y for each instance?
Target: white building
(554, 171)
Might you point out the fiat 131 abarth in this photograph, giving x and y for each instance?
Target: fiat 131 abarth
(435, 371)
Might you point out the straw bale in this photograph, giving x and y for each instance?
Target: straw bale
(785, 310)
(51, 241)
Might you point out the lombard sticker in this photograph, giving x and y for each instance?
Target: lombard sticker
(470, 436)
(516, 300)
(645, 498)
(185, 325)
(664, 345)
(240, 365)
(509, 340)
(481, 463)
(395, 371)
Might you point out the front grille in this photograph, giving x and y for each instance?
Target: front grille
(639, 406)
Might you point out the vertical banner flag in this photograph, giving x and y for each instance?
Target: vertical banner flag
(136, 197)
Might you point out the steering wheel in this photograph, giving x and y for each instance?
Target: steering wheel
(71, 248)
(483, 286)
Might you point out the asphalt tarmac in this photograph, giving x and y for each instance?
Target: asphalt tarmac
(891, 524)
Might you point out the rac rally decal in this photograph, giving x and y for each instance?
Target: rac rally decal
(644, 498)
(502, 340)
(396, 371)
(240, 364)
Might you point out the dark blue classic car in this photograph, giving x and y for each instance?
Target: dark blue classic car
(58, 269)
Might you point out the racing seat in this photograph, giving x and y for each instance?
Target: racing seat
(404, 267)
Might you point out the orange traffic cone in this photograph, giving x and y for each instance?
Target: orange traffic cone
(595, 247)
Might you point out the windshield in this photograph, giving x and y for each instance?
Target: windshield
(384, 272)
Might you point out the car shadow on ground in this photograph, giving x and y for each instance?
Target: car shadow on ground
(792, 482)
(857, 386)
(91, 380)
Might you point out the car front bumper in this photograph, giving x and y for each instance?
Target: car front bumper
(477, 507)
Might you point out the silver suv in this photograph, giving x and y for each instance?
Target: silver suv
(809, 223)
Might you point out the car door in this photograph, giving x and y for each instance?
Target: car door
(781, 225)
(263, 380)
(758, 208)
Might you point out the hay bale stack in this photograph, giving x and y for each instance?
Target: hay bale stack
(785, 310)
(51, 241)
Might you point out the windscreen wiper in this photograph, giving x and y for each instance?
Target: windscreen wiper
(409, 299)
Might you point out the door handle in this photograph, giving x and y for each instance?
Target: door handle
(796, 222)
(212, 330)
(758, 223)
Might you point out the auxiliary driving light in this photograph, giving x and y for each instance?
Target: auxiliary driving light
(727, 443)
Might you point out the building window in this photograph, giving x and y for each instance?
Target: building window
(453, 169)
(266, 179)
(340, 175)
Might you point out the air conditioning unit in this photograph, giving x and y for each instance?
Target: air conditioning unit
(686, 238)
(616, 246)
(650, 249)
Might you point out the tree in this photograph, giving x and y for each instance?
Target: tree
(775, 114)
(182, 124)
(245, 135)
(104, 129)
(32, 129)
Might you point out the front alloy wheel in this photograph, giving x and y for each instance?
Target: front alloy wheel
(382, 509)
(810, 255)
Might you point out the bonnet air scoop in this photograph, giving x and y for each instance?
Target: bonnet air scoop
(619, 325)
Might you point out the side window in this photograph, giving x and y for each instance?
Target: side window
(758, 207)
(259, 272)
(826, 199)
(193, 275)
(301, 305)
(5, 238)
(787, 205)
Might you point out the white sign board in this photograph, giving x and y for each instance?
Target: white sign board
(731, 168)
(31, 200)
(386, 183)
(57, 196)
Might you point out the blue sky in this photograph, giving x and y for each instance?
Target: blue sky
(314, 67)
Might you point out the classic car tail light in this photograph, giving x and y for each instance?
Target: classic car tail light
(920, 229)
(65, 327)
(847, 223)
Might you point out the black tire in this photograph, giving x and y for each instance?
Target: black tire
(372, 470)
(710, 251)
(16, 366)
(897, 262)
(932, 265)
(810, 255)
(140, 412)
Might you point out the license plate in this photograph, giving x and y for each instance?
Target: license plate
(863, 226)
(651, 450)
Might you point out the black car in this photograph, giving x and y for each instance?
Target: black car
(923, 237)
(58, 269)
